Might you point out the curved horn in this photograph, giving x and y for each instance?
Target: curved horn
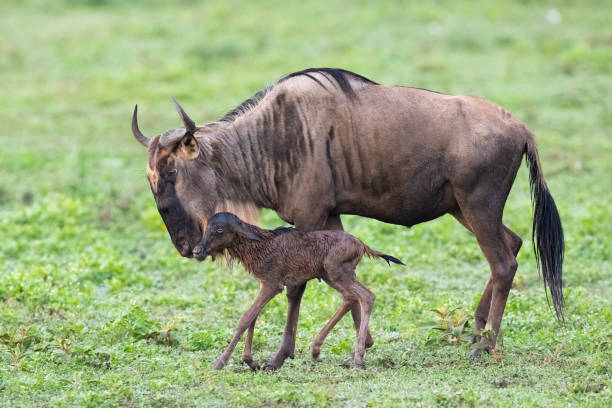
(137, 133)
(189, 124)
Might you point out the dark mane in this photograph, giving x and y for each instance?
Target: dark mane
(424, 89)
(341, 77)
(246, 105)
(282, 230)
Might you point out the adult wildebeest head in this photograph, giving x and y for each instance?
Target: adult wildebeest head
(187, 171)
(172, 157)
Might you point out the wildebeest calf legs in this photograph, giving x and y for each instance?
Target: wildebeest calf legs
(248, 318)
(340, 267)
(287, 347)
(335, 223)
(320, 337)
(353, 293)
(247, 357)
(366, 301)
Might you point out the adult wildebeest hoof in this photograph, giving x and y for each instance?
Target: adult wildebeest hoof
(477, 352)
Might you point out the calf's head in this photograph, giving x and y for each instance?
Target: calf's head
(181, 183)
(222, 231)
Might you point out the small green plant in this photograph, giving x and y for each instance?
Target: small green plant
(137, 324)
(164, 335)
(17, 344)
(133, 324)
(489, 334)
(64, 347)
(451, 327)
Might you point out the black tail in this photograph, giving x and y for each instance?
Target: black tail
(390, 259)
(547, 232)
(372, 252)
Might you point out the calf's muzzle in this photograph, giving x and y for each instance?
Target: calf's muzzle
(200, 251)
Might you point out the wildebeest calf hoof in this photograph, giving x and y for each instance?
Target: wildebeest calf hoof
(253, 365)
(269, 366)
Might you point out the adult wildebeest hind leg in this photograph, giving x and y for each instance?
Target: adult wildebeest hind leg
(480, 197)
(513, 241)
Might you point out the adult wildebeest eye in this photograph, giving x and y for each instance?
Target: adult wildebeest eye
(172, 171)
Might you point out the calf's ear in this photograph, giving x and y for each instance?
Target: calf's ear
(248, 234)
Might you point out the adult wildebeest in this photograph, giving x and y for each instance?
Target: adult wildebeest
(325, 142)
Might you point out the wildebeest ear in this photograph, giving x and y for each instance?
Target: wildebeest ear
(187, 121)
(188, 148)
(245, 232)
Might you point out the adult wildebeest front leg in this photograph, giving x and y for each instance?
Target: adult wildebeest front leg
(266, 293)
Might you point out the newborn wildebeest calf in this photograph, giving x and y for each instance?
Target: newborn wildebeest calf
(288, 257)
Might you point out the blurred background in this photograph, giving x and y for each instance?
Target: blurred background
(82, 246)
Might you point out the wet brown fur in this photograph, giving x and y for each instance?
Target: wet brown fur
(289, 258)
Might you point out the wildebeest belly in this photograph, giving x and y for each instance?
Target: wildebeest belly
(400, 158)
(405, 203)
(404, 185)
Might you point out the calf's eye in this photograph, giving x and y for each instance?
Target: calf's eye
(219, 231)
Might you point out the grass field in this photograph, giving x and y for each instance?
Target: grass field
(98, 309)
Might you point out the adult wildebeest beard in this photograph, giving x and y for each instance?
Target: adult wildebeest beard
(325, 142)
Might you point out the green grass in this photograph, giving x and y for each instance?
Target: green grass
(88, 268)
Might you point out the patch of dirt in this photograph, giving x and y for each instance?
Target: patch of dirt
(502, 382)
